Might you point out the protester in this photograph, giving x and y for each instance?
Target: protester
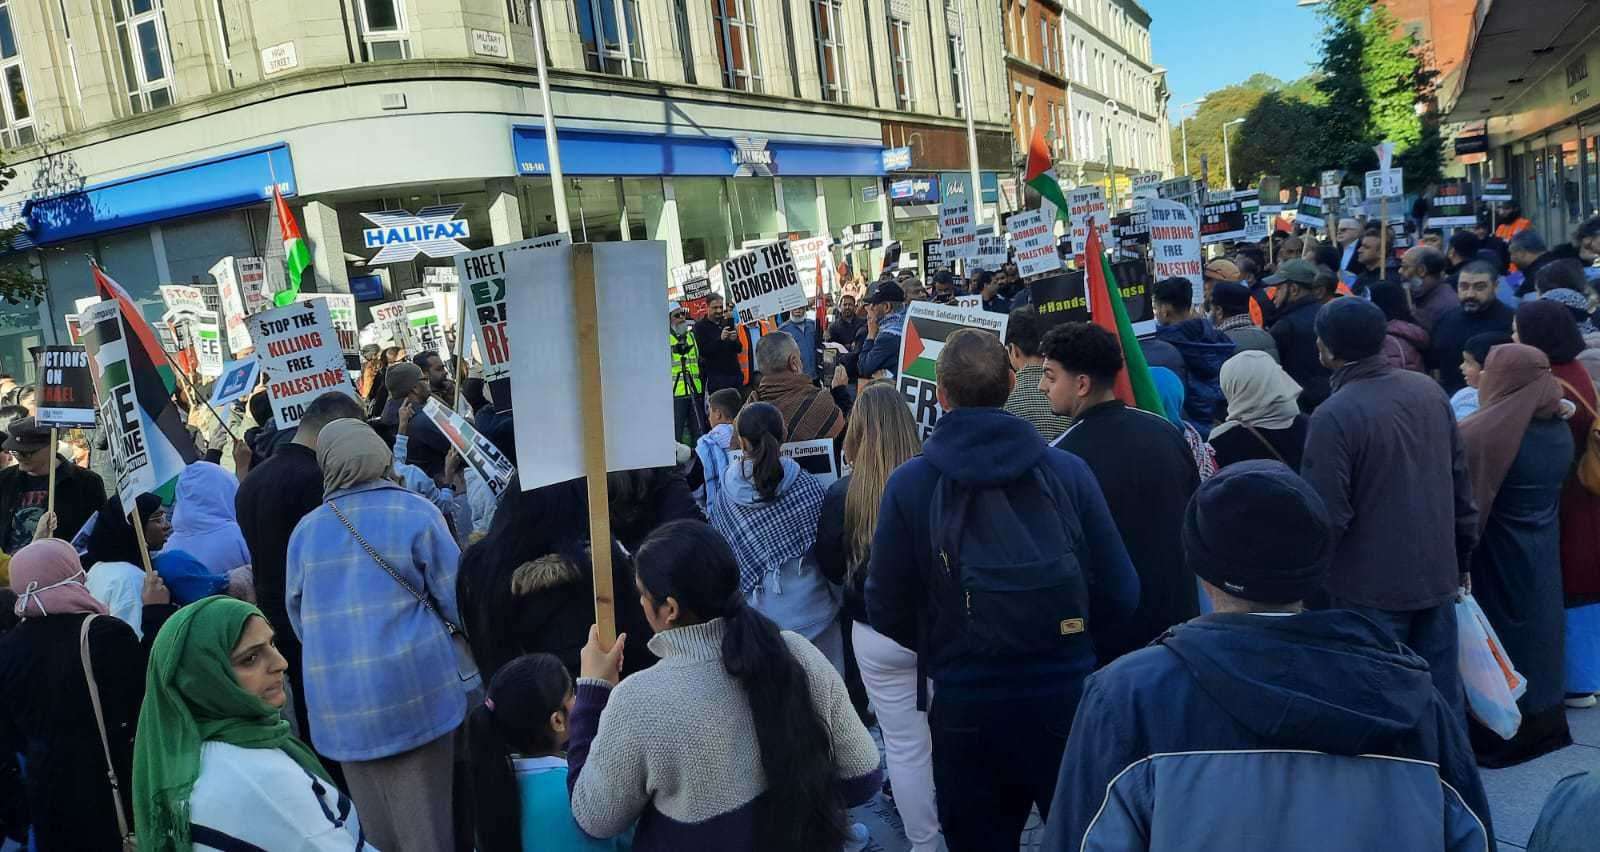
(809, 412)
(718, 342)
(886, 319)
(1564, 274)
(717, 444)
(1216, 272)
(1385, 455)
(266, 438)
(1549, 328)
(516, 740)
(1518, 455)
(1575, 302)
(528, 586)
(1264, 417)
(1376, 269)
(1027, 400)
(23, 488)
(1479, 313)
(214, 764)
(882, 436)
(270, 501)
(384, 687)
(687, 424)
(743, 736)
(116, 562)
(944, 285)
(643, 499)
(1348, 243)
(1406, 340)
(1170, 388)
(767, 509)
(989, 294)
(1529, 255)
(1473, 356)
(1230, 313)
(803, 330)
(405, 382)
(1570, 818)
(1304, 290)
(46, 716)
(1423, 270)
(1262, 725)
(204, 523)
(1203, 348)
(1462, 249)
(1022, 532)
(847, 325)
(1512, 222)
(1145, 469)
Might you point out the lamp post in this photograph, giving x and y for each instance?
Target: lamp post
(1183, 125)
(1227, 154)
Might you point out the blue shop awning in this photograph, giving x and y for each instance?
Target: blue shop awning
(586, 151)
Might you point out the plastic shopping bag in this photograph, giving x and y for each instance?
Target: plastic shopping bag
(1493, 684)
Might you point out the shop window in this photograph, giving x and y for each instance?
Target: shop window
(703, 224)
(828, 18)
(16, 116)
(800, 206)
(383, 29)
(146, 57)
(737, 44)
(647, 208)
(602, 48)
(900, 63)
(755, 209)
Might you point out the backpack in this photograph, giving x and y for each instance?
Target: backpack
(1019, 587)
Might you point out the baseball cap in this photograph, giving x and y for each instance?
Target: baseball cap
(1299, 271)
(884, 291)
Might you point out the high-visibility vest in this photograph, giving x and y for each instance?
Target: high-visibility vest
(748, 341)
(686, 367)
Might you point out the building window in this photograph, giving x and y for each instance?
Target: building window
(517, 12)
(900, 63)
(146, 59)
(383, 29)
(956, 75)
(16, 117)
(685, 43)
(736, 41)
(828, 18)
(602, 50)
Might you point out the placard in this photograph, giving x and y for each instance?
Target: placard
(238, 378)
(207, 332)
(1388, 184)
(424, 329)
(813, 262)
(820, 458)
(182, 299)
(1497, 189)
(1175, 245)
(678, 276)
(484, 282)
(65, 395)
(471, 446)
(1221, 222)
(299, 351)
(928, 326)
(974, 301)
(991, 253)
(231, 297)
(1310, 212)
(1131, 230)
(1146, 185)
(1452, 205)
(1063, 298)
(1255, 222)
(763, 282)
(1035, 242)
(390, 318)
(933, 258)
(1083, 204)
(958, 230)
(253, 285)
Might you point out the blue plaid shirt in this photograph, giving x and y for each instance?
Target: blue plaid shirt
(380, 672)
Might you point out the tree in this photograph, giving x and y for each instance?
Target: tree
(1278, 138)
(1205, 128)
(17, 281)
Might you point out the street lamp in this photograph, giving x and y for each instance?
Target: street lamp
(1227, 155)
(1183, 126)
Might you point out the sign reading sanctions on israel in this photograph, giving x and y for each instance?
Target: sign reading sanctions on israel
(763, 282)
(928, 326)
(299, 350)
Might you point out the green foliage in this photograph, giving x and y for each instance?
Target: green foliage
(17, 281)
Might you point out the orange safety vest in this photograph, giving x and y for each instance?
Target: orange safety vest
(1511, 229)
(747, 344)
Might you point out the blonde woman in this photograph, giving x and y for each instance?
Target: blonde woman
(880, 438)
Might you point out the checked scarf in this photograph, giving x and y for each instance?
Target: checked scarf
(767, 534)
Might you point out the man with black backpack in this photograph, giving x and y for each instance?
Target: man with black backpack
(995, 558)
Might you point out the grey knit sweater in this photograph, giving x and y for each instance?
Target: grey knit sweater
(674, 749)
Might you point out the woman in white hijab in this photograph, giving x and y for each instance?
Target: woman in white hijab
(1264, 419)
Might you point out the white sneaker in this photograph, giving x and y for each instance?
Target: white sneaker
(1580, 701)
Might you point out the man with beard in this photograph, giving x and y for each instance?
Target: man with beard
(718, 342)
(847, 325)
(1480, 312)
(687, 400)
(1204, 349)
(1303, 287)
(1423, 268)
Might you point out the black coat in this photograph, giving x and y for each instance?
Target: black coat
(272, 499)
(644, 499)
(832, 551)
(1148, 474)
(79, 494)
(718, 357)
(1451, 333)
(1295, 332)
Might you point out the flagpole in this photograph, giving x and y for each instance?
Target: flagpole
(972, 133)
(138, 530)
(552, 146)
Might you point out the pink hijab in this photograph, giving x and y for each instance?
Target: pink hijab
(48, 580)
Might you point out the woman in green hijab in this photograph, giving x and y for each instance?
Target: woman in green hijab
(214, 763)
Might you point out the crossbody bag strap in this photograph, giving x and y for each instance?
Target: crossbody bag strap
(1581, 401)
(800, 413)
(100, 722)
(427, 603)
(1264, 442)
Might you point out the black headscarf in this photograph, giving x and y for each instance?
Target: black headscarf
(113, 538)
(1549, 327)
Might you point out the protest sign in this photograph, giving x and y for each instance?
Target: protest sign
(82, 305)
(182, 299)
(65, 396)
(1083, 204)
(927, 326)
(176, 339)
(238, 378)
(971, 301)
(991, 253)
(74, 334)
(1177, 189)
(390, 318)
(1146, 185)
(1222, 221)
(763, 282)
(932, 258)
(299, 351)
(1452, 205)
(1035, 242)
(1498, 189)
(1175, 244)
(1310, 212)
(818, 457)
(226, 273)
(678, 276)
(1383, 183)
(1060, 298)
(1132, 229)
(1270, 190)
(633, 370)
(957, 228)
(253, 285)
(484, 283)
(207, 334)
(471, 446)
(424, 329)
(1331, 178)
(1255, 220)
(813, 262)
(342, 308)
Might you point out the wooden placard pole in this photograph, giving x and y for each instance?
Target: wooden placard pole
(50, 489)
(592, 408)
(1383, 231)
(195, 397)
(138, 531)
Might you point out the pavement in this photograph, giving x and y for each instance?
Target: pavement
(1515, 795)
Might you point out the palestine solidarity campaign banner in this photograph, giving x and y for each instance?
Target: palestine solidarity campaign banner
(149, 444)
(928, 326)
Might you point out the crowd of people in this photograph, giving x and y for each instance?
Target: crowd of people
(1233, 617)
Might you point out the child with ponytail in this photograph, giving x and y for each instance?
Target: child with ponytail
(516, 740)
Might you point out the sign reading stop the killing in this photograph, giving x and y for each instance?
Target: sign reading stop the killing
(66, 388)
(299, 350)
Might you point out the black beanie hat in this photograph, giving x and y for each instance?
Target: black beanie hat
(1352, 328)
(1259, 532)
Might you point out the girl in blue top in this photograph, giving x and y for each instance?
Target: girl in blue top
(516, 742)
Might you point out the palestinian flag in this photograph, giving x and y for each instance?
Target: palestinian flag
(142, 336)
(1041, 173)
(920, 344)
(1135, 386)
(296, 254)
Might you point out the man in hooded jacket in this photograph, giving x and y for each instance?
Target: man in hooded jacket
(1312, 731)
(1204, 350)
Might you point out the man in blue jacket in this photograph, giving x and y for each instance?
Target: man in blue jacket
(886, 319)
(1204, 349)
(1263, 726)
(994, 559)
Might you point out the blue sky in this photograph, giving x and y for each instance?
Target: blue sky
(1208, 44)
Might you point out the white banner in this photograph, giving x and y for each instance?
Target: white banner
(424, 329)
(253, 285)
(182, 299)
(762, 282)
(1382, 183)
(299, 351)
(1175, 244)
(390, 318)
(1035, 242)
(342, 308)
(958, 229)
(991, 254)
(207, 333)
(1083, 204)
(226, 273)
(813, 262)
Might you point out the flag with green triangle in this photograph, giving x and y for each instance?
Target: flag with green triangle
(1041, 175)
(296, 254)
(927, 327)
(1135, 385)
